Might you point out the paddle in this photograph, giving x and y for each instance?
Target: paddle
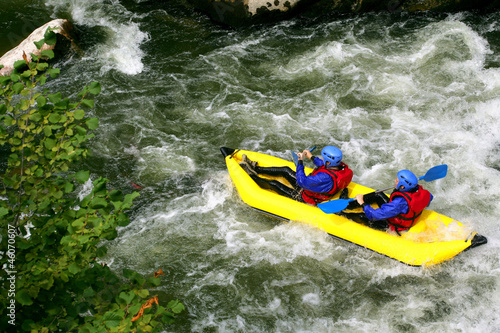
(296, 158)
(335, 206)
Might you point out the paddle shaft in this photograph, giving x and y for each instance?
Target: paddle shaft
(296, 158)
(311, 150)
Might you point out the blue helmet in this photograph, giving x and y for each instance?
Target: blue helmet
(332, 154)
(407, 179)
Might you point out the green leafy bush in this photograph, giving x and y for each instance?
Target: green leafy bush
(52, 239)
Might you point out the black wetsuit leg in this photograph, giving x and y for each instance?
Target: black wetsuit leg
(284, 172)
(375, 197)
(361, 218)
(278, 187)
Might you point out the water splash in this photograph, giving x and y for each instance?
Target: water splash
(122, 48)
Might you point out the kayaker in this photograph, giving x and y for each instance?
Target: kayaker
(403, 208)
(330, 176)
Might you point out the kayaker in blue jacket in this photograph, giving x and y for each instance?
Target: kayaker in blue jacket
(330, 176)
(404, 207)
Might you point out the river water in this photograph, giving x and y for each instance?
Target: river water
(392, 91)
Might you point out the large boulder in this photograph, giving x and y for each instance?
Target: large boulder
(27, 46)
(244, 12)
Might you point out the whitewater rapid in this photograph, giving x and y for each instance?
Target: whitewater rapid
(392, 91)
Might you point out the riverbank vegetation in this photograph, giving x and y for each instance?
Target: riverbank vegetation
(55, 218)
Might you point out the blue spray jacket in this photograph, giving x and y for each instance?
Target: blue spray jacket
(395, 207)
(321, 182)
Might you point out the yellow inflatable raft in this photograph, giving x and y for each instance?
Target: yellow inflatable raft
(432, 240)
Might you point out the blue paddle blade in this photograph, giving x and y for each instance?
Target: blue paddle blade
(295, 158)
(334, 206)
(436, 172)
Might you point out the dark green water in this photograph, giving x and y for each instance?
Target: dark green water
(392, 91)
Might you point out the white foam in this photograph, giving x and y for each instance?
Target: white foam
(122, 49)
(156, 163)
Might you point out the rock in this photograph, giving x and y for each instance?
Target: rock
(28, 47)
(244, 12)
(241, 12)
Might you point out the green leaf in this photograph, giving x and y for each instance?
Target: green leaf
(175, 306)
(63, 104)
(168, 318)
(19, 64)
(123, 220)
(154, 281)
(82, 176)
(129, 274)
(39, 44)
(130, 197)
(47, 283)
(47, 54)
(36, 117)
(99, 185)
(81, 130)
(23, 297)
(49, 143)
(73, 268)
(4, 80)
(89, 292)
(92, 123)
(3, 211)
(54, 72)
(47, 130)
(68, 187)
(78, 223)
(88, 102)
(79, 114)
(17, 87)
(3, 109)
(54, 118)
(127, 297)
(143, 293)
(50, 37)
(101, 251)
(95, 88)
(39, 172)
(55, 98)
(98, 203)
(41, 101)
(26, 74)
(42, 66)
(115, 195)
(146, 319)
(112, 319)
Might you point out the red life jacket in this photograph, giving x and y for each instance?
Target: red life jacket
(417, 201)
(341, 178)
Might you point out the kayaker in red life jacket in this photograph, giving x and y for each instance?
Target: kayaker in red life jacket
(405, 204)
(330, 176)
